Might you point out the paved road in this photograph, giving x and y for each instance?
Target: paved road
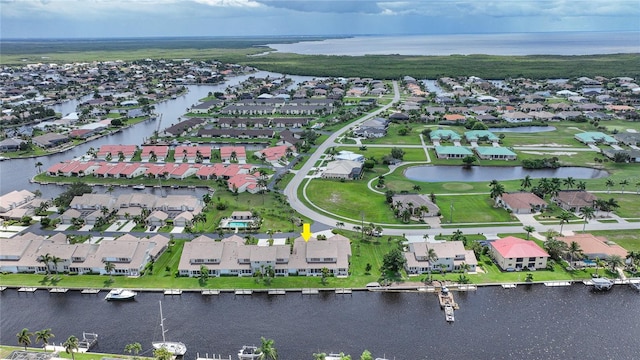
(291, 190)
(323, 222)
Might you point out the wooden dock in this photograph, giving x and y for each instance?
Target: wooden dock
(277, 292)
(90, 291)
(445, 297)
(210, 292)
(243, 292)
(27, 289)
(173, 292)
(310, 291)
(557, 283)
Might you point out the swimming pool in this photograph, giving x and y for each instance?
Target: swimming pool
(238, 224)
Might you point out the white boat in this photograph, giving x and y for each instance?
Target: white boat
(120, 294)
(138, 187)
(248, 353)
(448, 313)
(174, 347)
(602, 283)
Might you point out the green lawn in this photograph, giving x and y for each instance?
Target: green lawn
(471, 209)
(628, 239)
(393, 137)
(411, 154)
(5, 351)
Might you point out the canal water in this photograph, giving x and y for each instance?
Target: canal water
(439, 173)
(529, 322)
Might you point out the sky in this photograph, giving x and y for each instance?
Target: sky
(157, 18)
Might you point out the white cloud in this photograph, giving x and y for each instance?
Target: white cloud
(230, 3)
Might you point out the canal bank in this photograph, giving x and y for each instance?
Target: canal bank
(535, 322)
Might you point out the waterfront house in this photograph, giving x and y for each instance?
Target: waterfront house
(512, 253)
(444, 135)
(452, 152)
(593, 247)
(274, 154)
(494, 153)
(233, 153)
(451, 256)
(15, 199)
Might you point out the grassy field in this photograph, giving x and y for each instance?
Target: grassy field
(393, 137)
(5, 351)
(628, 239)
(471, 209)
(410, 154)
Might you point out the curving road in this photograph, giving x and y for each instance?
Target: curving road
(292, 188)
(323, 222)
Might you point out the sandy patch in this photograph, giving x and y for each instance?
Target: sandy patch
(549, 153)
(544, 145)
(335, 198)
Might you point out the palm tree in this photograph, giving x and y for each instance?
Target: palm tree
(267, 350)
(133, 348)
(599, 264)
(431, 257)
(611, 205)
(319, 356)
(417, 188)
(39, 166)
(615, 261)
(24, 338)
(71, 345)
(162, 354)
(624, 183)
(109, 267)
(497, 190)
(44, 336)
(45, 259)
(564, 217)
(609, 183)
(574, 251)
(587, 213)
(569, 182)
(339, 224)
(529, 229)
(525, 183)
(582, 186)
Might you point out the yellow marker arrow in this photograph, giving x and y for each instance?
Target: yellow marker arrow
(306, 232)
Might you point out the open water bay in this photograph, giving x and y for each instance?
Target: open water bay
(529, 322)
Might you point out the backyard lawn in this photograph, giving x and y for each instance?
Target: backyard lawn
(471, 209)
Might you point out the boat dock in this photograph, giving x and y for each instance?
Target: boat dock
(173, 292)
(210, 292)
(277, 292)
(88, 341)
(344, 292)
(27, 289)
(58, 290)
(243, 292)
(557, 283)
(446, 299)
(509, 286)
(90, 291)
(206, 357)
(310, 291)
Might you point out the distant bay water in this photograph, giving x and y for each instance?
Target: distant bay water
(554, 43)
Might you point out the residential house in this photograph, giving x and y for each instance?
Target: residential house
(593, 247)
(451, 256)
(574, 200)
(512, 253)
(521, 202)
(594, 137)
(452, 152)
(233, 153)
(494, 153)
(343, 169)
(418, 204)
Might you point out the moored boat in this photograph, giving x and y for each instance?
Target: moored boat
(602, 284)
(448, 313)
(248, 353)
(121, 294)
(176, 348)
